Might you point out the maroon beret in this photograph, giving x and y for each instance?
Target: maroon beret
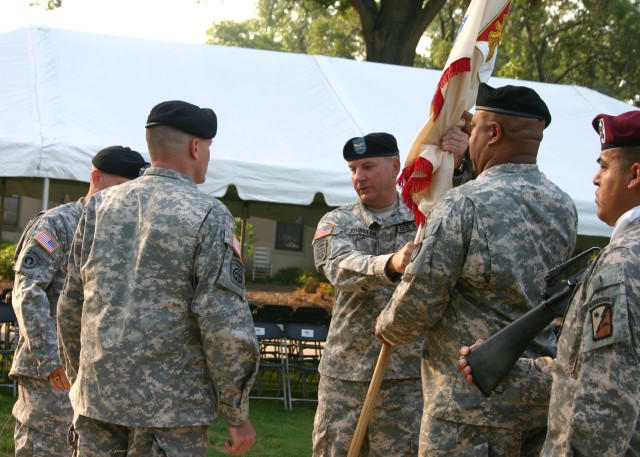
(618, 131)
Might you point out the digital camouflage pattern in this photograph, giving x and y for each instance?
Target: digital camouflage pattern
(109, 440)
(155, 298)
(595, 400)
(351, 248)
(398, 407)
(352, 253)
(39, 264)
(486, 247)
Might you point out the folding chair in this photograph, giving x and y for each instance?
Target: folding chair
(8, 340)
(261, 263)
(309, 314)
(305, 343)
(272, 313)
(273, 361)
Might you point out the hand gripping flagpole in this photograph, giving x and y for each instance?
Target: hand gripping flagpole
(374, 388)
(428, 171)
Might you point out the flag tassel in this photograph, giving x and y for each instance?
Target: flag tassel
(411, 184)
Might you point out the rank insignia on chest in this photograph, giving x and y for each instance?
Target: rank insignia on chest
(601, 320)
(49, 244)
(325, 230)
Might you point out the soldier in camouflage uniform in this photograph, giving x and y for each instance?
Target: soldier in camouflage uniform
(154, 328)
(362, 249)
(595, 399)
(486, 245)
(43, 412)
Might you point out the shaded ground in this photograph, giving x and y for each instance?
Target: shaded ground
(260, 293)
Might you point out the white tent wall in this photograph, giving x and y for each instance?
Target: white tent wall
(283, 118)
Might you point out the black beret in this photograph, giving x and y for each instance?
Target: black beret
(618, 131)
(201, 122)
(121, 161)
(371, 145)
(514, 101)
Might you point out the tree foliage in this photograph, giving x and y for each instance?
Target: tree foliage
(50, 4)
(377, 30)
(305, 27)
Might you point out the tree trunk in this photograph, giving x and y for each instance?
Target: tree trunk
(392, 30)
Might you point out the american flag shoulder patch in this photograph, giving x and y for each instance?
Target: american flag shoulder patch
(49, 244)
(235, 242)
(325, 230)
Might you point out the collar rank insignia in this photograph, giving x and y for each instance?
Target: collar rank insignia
(601, 321)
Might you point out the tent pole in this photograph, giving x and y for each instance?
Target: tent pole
(45, 194)
(3, 190)
(243, 226)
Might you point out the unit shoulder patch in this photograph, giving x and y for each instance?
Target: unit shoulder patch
(601, 321)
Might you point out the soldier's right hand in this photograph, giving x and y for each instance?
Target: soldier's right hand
(242, 438)
(399, 261)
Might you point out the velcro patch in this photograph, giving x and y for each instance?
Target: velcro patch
(235, 242)
(601, 321)
(325, 230)
(236, 272)
(49, 244)
(30, 262)
(320, 251)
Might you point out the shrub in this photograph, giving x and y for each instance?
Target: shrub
(7, 250)
(287, 276)
(316, 283)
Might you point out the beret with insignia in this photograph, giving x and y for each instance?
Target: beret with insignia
(618, 131)
(371, 145)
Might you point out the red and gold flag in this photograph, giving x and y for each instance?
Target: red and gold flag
(428, 170)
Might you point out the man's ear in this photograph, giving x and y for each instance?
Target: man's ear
(634, 181)
(95, 176)
(496, 132)
(193, 148)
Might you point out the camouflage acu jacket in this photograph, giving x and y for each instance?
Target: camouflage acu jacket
(40, 266)
(155, 298)
(486, 248)
(351, 248)
(595, 400)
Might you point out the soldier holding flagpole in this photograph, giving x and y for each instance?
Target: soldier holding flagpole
(487, 243)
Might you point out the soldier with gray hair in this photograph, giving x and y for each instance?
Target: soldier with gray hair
(155, 331)
(43, 412)
(487, 244)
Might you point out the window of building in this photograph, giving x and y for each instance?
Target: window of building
(11, 210)
(289, 236)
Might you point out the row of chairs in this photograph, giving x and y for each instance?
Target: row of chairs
(289, 357)
(8, 339)
(281, 314)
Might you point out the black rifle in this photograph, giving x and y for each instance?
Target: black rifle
(492, 360)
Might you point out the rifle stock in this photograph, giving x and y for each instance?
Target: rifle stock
(492, 360)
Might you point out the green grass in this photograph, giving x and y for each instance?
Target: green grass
(280, 433)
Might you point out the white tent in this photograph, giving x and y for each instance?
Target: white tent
(283, 118)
